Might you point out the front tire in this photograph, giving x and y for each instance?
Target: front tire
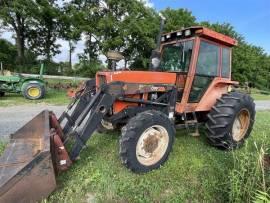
(231, 120)
(146, 141)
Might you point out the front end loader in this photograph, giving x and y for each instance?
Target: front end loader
(189, 84)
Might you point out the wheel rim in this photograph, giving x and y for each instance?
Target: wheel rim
(152, 145)
(33, 92)
(240, 125)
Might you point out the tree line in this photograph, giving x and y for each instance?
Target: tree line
(127, 26)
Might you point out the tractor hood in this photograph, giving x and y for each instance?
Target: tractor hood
(145, 77)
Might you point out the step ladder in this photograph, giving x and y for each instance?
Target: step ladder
(192, 125)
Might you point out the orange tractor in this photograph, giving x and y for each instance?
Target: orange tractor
(189, 84)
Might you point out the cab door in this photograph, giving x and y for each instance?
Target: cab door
(207, 68)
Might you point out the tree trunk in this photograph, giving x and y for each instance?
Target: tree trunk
(48, 45)
(70, 54)
(90, 47)
(126, 62)
(20, 48)
(18, 25)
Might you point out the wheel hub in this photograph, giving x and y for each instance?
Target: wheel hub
(33, 92)
(241, 125)
(152, 145)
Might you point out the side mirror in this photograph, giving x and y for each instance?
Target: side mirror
(155, 60)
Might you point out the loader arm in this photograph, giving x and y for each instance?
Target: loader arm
(88, 113)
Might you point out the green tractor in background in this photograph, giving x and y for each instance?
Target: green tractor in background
(30, 87)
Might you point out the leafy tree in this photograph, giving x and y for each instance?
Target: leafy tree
(83, 16)
(7, 53)
(44, 28)
(14, 15)
(68, 31)
(130, 28)
(178, 18)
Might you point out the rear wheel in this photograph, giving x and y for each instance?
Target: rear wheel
(33, 91)
(146, 141)
(231, 120)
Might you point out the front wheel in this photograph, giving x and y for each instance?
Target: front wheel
(146, 141)
(231, 120)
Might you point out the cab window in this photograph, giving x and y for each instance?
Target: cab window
(177, 57)
(206, 70)
(226, 62)
(208, 59)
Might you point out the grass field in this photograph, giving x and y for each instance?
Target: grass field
(55, 97)
(195, 172)
(260, 95)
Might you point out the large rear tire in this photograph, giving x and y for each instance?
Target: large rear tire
(231, 120)
(146, 141)
(33, 91)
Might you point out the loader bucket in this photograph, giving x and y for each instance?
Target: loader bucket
(27, 171)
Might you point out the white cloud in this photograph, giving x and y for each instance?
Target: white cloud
(148, 3)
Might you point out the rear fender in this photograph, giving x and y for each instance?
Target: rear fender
(218, 87)
(32, 81)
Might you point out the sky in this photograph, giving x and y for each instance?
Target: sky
(250, 18)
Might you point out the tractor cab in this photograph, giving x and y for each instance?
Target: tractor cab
(197, 53)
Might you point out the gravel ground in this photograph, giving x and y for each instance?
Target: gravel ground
(14, 117)
(262, 105)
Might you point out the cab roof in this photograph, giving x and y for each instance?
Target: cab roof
(199, 31)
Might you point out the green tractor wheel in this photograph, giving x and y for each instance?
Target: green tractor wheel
(33, 90)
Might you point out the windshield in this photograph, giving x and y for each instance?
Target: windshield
(176, 57)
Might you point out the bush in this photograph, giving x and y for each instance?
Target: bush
(247, 180)
(88, 70)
